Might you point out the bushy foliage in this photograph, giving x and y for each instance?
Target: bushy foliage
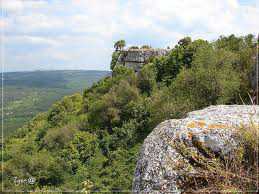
(70, 105)
(133, 47)
(245, 50)
(107, 111)
(119, 45)
(147, 79)
(92, 141)
(115, 57)
(212, 79)
(181, 56)
(57, 138)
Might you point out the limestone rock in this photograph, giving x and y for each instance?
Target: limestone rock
(160, 164)
(136, 58)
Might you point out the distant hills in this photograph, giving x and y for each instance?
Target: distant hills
(27, 93)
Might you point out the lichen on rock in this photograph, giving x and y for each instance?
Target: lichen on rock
(177, 147)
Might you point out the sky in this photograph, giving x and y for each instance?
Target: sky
(79, 34)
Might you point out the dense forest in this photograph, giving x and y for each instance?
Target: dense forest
(91, 141)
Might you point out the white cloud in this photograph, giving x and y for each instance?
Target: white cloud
(3, 23)
(14, 6)
(221, 16)
(83, 31)
(37, 22)
(31, 40)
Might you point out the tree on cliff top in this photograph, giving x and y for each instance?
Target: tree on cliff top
(119, 45)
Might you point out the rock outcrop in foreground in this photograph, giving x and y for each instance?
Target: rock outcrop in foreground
(161, 165)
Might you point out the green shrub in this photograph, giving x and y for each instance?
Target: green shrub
(211, 80)
(115, 56)
(57, 138)
(146, 80)
(70, 105)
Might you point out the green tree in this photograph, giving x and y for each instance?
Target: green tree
(211, 80)
(119, 45)
(57, 138)
(134, 47)
(146, 80)
(106, 112)
(115, 56)
(70, 105)
(184, 42)
(86, 144)
(179, 57)
(245, 51)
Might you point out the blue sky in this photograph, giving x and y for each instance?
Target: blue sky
(79, 34)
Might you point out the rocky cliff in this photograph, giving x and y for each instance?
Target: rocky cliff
(136, 58)
(162, 161)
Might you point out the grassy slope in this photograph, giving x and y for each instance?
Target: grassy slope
(27, 93)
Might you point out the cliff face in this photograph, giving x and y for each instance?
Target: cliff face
(136, 58)
(162, 161)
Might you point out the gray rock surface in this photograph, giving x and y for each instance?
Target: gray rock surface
(136, 58)
(160, 164)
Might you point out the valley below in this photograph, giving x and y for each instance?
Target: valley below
(27, 93)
